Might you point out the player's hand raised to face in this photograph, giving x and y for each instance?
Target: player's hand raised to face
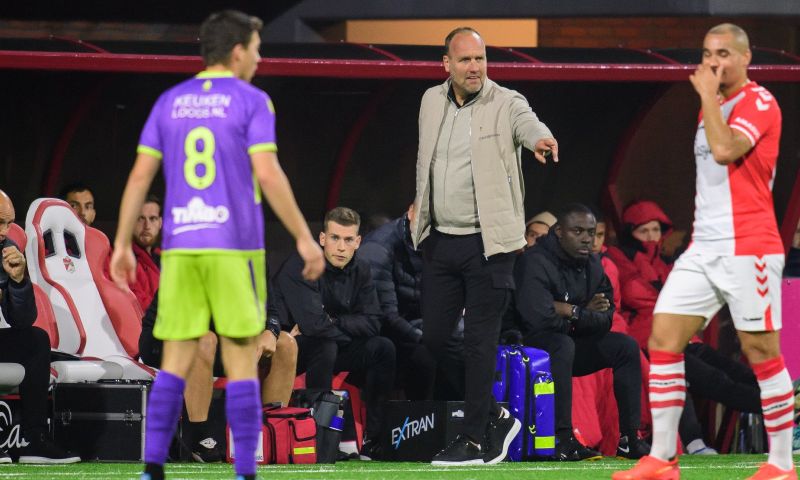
(706, 80)
(312, 256)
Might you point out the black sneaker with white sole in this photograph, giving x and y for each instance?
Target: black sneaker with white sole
(571, 450)
(4, 456)
(41, 450)
(345, 456)
(633, 448)
(461, 451)
(371, 450)
(499, 434)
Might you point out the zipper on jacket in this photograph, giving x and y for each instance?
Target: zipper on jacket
(475, 188)
(511, 192)
(447, 162)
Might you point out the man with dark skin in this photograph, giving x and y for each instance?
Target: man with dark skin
(563, 299)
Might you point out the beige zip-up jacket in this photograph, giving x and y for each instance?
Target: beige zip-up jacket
(502, 123)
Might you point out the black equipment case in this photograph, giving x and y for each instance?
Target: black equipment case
(101, 421)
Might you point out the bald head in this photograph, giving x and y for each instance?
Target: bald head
(4, 198)
(6, 215)
(458, 31)
(726, 49)
(740, 40)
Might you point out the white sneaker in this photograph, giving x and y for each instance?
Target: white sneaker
(699, 447)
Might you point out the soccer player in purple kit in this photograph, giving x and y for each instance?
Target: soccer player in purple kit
(215, 135)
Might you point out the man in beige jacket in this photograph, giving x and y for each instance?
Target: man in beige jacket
(470, 221)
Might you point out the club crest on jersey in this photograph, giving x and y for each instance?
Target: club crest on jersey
(196, 215)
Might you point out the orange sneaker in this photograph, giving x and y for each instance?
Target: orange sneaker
(768, 471)
(651, 468)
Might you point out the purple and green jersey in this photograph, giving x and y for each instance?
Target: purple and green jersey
(204, 131)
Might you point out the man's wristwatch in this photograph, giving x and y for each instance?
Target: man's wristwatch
(274, 326)
(576, 310)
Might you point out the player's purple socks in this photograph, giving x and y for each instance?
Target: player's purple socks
(163, 410)
(243, 408)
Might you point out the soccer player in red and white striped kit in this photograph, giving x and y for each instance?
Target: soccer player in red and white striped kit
(736, 257)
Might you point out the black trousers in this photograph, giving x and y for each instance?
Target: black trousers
(689, 426)
(370, 360)
(456, 276)
(576, 357)
(416, 370)
(450, 370)
(30, 347)
(711, 375)
(151, 350)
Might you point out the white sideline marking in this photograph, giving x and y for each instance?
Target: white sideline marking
(278, 469)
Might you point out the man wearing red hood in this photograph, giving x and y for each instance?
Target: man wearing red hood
(642, 272)
(642, 269)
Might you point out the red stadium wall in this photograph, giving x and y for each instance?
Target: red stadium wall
(666, 32)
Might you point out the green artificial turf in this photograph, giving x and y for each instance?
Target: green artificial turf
(722, 467)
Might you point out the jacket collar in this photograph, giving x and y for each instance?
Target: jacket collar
(346, 269)
(484, 91)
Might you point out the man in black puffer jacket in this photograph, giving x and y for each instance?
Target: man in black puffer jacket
(397, 273)
(563, 299)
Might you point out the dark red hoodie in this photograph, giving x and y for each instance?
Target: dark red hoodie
(147, 277)
(642, 269)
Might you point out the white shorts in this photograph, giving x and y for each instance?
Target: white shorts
(700, 285)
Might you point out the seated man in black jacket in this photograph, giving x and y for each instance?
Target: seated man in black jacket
(563, 299)
(397, 273)
(339, 318)
(21, 342)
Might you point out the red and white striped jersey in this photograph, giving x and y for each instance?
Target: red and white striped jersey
(734, 213)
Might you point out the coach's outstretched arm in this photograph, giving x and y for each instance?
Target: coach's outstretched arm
(530, 132)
